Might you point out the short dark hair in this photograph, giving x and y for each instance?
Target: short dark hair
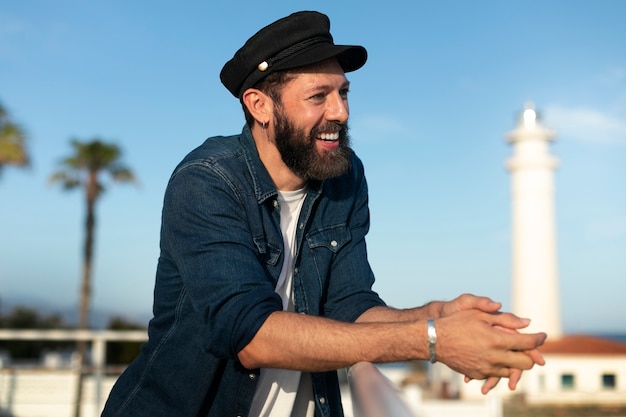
(272, 85)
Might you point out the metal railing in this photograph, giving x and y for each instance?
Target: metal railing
(373, 395)
(98, 339)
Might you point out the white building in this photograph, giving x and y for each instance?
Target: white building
(534, 272)
(579, 370)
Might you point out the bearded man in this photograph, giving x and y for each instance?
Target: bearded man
(263, 287)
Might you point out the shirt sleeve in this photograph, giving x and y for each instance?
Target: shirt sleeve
(205, 232)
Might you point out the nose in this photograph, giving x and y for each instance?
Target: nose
(337, 109)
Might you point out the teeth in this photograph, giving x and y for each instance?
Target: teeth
(328, 136)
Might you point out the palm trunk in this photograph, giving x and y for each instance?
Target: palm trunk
(85, 287)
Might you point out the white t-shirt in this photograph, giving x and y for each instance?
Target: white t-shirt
(283, 392)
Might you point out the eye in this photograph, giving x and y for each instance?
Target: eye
(344, 92)
(318, 96)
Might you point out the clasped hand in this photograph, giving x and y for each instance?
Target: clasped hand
(487, 343)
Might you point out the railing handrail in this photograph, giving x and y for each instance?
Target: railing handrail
(374, 395)
(69, 334)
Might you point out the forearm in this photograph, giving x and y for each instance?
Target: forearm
(474, 343)
(391, 315)
(308, 343)
(434, 309)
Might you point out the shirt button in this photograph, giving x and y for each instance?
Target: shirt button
(322, 400)
(275, 203)
(252, 376)
(296, 270)
(301, 226)
(333, 243)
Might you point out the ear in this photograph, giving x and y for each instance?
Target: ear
(259, 105)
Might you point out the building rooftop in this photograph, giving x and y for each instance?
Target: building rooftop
(583, 345)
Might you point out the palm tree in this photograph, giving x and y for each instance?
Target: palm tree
(83, 169)
(12, 142)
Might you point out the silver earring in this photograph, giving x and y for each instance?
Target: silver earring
(264, 126)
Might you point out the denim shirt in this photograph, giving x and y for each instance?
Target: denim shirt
(221, 256)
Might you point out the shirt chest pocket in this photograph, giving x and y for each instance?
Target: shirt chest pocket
(329, 240)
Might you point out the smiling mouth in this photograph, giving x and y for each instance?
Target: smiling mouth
(328, 137)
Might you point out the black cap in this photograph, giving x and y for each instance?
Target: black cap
(300, 39)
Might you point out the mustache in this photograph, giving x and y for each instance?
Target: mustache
(330, 127)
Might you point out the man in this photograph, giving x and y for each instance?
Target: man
(263, 288)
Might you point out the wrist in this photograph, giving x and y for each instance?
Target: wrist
(433, 309)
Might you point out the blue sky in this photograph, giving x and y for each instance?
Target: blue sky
(444, 83)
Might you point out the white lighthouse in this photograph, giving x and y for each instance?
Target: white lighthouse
(535, 289)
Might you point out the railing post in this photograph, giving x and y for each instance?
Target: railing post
(99, 359)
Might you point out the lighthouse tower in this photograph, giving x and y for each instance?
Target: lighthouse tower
(535, 290)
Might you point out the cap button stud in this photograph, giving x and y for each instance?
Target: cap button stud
(263, 66)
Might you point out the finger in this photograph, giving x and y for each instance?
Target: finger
(536, 356)
(488, 306)
(524, 341)
(509, 321)
(485, 304)
(487, 386)
(514, 377)
(470, 302)
(528, 342)
(505, 329)
(490, 383)
(517, 360)
(497, 371)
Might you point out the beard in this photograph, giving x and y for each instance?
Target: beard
(298, 150)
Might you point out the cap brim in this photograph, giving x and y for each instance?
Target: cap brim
(350, 57)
